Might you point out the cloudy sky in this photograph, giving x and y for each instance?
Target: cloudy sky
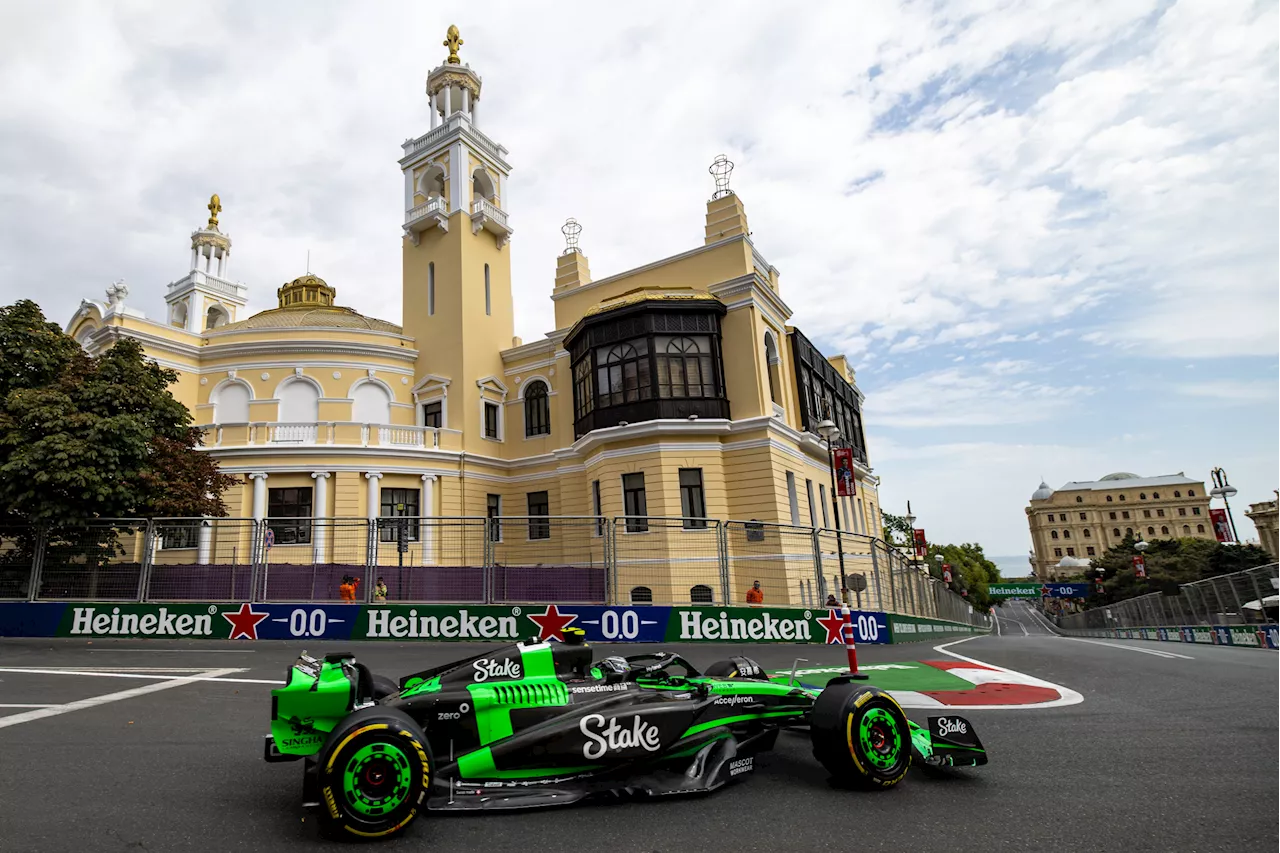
(1046, 233)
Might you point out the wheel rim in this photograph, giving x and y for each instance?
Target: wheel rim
(377, 780)
(880, 738)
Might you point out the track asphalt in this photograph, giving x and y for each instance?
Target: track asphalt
(1173, 751)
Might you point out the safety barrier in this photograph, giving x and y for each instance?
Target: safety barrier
(529, 559)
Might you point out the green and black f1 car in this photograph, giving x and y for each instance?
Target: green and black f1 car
(540, 724)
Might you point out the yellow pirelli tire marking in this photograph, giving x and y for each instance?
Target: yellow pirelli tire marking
(848, 736)
(333, 755)
(381, 832)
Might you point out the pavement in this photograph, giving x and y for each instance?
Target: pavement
(129, 745)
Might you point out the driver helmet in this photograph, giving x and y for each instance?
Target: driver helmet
(614, 663)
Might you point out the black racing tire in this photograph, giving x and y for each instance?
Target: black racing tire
(860, 734)
(741, 668)
(374, 773)
(384, 687)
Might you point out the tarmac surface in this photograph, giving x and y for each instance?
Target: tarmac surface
(1172, 748)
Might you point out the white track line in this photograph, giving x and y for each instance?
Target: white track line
(27, 706)
(997, 615)
(1069, 696)
(92, 702)
(1047, 624)
(1160, 653)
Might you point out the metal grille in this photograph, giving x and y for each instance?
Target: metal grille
(17, 561)
(779, 556)
(546, 559)
(306, 559)
(195, 559)
(102, 561)
(663, 561)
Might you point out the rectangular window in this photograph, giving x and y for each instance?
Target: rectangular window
(1195, 510)
(822, 499)
(692, 505)
(813, 510)
(1124, 514)
(596, 507)
(493, 509)
(1083, 517)
(1146, 513)
(179, 535)
(634, 505)
(792, 498)
(862, 518)
(539, 509)
(1182, 510)
(490, 420)
(1112, 515)
(284, 504)
(431, 289)
(1071, 552)
(398, 503)
(488, 303)
(1057, 552)
(844, 512)
(433, 414)
(1090, 550)
(1160, 513)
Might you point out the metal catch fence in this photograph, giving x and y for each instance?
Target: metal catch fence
(1242, 598)
(533, 559)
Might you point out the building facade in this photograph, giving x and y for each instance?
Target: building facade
(676, 389)
(1264, 517)
(1084, 519)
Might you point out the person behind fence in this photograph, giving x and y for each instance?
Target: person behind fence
(347, 589)
(380, 591)
(831, 601)
(755, 595)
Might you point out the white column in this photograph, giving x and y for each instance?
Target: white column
(195, 257)
(259, 495)
(320, 509)
(475, 111)
(466, 100)
(373, 498)
(427, 531)
(448, 101)
(204, 543)
(435, 112)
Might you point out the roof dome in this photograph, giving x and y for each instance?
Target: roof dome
(308, 302)
(1119, 475)
(1043, 493)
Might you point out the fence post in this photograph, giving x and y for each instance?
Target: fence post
(256, 593)
(817, 562)
(875, 574)
(1257, 590)
(37, 563)
(148, 552)
(893, 592)
(722, 553)
(610, 571)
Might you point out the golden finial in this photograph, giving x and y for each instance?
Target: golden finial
(215, 207)
(453, 41)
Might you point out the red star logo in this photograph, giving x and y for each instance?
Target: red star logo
(834, 623)
(552, 622)
(1045, 590)
(244, 623)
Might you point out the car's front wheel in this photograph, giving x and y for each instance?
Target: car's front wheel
(374, 773)
(860, 734)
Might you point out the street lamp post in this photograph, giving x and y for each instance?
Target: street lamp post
(1223, 489)
(831, 433)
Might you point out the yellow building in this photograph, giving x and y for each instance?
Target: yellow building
(1264, 517)
(1084, 519)
(672, 390)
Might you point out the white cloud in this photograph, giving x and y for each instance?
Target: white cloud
(1231, 391)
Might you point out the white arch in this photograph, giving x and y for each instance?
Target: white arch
(371, 402)
(223, 312)
(537, 377)
(433, 171)
(483, 184)
(233, 409)
(771, 347)
(299, 398)
(298, 377)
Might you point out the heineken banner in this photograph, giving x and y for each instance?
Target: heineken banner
(908, 629)
(1037, 590)
(460, 622)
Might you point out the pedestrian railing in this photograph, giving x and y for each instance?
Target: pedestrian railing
(1242, 598)
(581, 560)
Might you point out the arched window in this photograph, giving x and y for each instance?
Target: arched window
(1108, 498)
(641, 595)
(537, 409)
(1199, 528)
(178, 316)
(1164, 530)
(431, 182)
(1122, 497)
(299, 403)
(701, 594)
(1066, 534)
(772, 363)
(1079, 499)
(1087, 534)
(1128, 531)
(231, 404)
(1177, 494)
(623, 375)
(1155, 496)
(1142, 496)
(370, 404)
(1191, 493)
(482, 185)
(1053, 534)
(1186, 528)
(684, 367)
(1151, 531)
(216, 316)
(1115, 532)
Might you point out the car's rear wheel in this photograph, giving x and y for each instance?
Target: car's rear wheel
(374, 772)
(860, 734)
(737, 667)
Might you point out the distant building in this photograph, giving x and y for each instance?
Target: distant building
(1263, 516)
(1082, 520)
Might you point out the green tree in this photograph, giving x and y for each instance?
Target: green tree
(1169, 563)
(896, 529)
(971, 571)
(93, 437)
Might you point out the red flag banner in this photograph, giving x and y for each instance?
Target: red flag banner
(922, 547)
(846, 485)
(946, 573)
(1140, 565)
(1220, 527)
